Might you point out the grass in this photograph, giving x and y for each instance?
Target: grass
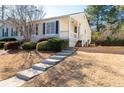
(85, 69)
(18, 60)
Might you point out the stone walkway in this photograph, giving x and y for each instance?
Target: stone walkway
(23, 76)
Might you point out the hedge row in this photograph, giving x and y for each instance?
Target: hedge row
(110, 43)
(11, 45)
(54, 44)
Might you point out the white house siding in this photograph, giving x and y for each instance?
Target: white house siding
(64, 27)
(9, 26)
(85, 32)
(40, 30)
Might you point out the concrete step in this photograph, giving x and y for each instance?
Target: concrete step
(68, 51)
(12, 82)
(69, 48)
(51, 61)
(63, 54)
(41, 66)
(28, 74)
(58, 57)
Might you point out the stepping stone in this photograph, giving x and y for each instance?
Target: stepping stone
(63, 54)
(41, 66)
(28, 74)
(68, 51)
(51, 61)
(58, 57)
(12, 82)
(69, 48)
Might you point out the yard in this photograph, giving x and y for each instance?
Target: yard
(18, 60)
(91, 66)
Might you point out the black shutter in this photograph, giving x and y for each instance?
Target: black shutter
(43, 28)
(3, 32)
(57, 27)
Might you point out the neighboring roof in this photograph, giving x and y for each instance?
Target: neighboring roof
(57, 16)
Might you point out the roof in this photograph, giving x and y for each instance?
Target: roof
(57, 16)
(10, 19)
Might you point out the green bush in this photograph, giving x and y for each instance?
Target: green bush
(42, 46)
(54, 44)
(57, 44)
(29, 45)
(8, 39)
(11, 45)
(2, 45)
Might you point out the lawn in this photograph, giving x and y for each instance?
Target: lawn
(18, 60)
(88, 67)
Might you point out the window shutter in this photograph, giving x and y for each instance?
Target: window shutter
(11, 31)
(6, 31)
(3, 32)
(57, 27)
(43, 28)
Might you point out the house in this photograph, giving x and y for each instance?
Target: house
(73, 27)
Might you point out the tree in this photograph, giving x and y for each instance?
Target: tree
(24, 16)
(96, 15)
(3, 13)
(100, 15)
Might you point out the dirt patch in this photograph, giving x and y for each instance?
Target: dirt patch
(84, 69)
(17, 60)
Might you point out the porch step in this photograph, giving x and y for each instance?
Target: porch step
(41, 66)
(58, 57)
(28, 74)
(12, 82)
(51, 61)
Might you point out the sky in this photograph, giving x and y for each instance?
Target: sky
(52, 11)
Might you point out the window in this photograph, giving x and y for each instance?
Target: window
(75, 29)
(5, 32)
(16, 32)
(21, 30)
(36, 29)
(51, 28)
(48, 28)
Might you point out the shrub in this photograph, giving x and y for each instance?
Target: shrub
(54, 44)
(42, 46)
(29, 45)
(110, 42)
(11, 45)
(2, 45)
(57, 44)
(8, 39)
